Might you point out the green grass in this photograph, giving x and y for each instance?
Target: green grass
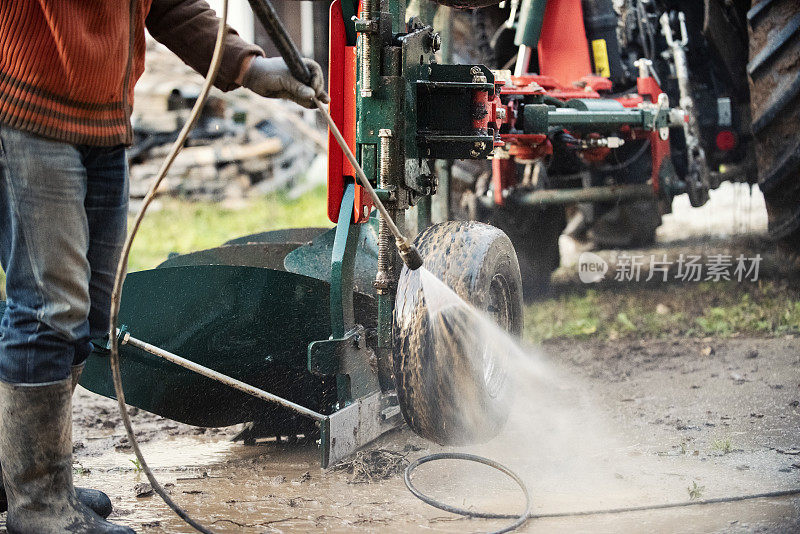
(695, 491)
(725, 309)
(722, 446)
(181, 226)
(137, 466)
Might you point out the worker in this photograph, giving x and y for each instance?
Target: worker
(67, 72)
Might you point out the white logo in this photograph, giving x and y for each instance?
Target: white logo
(591, 268)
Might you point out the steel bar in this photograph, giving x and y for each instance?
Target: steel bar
(523, 61)
(127, 339)
(610, 193)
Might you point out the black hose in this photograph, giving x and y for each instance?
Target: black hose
(553, 101)
(521, 519)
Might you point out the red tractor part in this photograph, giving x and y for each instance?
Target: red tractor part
(563, 49)
(527, 147)
(342, 89)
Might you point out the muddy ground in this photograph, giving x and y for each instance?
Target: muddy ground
(596, 424)
(622, 423)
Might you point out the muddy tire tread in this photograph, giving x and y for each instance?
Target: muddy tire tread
(774, 71)
(430, 403)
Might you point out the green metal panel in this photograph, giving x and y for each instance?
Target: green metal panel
(267, 255)
(342, 264)
(416, 58)
(384, 350)
(286, 235)
(314, 259)
(349, 8)
(440, 204)
(222, 317)
(249, 323)
(529, 28)
(397, 8)
(423, 213)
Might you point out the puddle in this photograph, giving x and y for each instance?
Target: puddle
(175, 453)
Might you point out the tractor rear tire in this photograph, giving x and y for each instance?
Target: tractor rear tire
(461, 394)
(774, 70)
(535, 233)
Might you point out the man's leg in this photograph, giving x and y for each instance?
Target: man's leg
(106, 208)
(45, 328)
(45, 240)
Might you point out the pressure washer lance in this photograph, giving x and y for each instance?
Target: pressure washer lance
(408, 252)
(269, 19)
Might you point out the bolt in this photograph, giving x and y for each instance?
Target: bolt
(366, 52)
(384, 178)
(385, 251)
(644, 67)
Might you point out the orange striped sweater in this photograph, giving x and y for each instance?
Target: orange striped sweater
(68, 67)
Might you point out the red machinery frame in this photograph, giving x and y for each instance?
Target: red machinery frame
(565, 72)
(342, 89)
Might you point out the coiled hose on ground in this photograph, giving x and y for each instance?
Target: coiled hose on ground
(522, 518)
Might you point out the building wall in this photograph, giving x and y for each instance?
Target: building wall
(293, 13)
(240, 16)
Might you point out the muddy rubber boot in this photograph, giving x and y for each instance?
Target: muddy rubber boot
(94, 499)
(36, 451)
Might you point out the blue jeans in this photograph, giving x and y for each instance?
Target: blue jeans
(63, 216)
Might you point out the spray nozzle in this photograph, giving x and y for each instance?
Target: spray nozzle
(409, 253)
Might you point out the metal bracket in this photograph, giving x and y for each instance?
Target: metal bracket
(349, 356)
(324, 355)
(348, 429)
(443, 134)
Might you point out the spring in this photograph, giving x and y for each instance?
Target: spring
(366, 51)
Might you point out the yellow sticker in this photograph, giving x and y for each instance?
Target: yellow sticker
(600, 52)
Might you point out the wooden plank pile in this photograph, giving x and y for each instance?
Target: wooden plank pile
(242, 145)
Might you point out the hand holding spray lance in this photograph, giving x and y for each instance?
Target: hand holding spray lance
(269, 19)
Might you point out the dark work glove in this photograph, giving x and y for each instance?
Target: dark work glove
(270, 77)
